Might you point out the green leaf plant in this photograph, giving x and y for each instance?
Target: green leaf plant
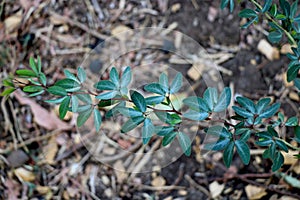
(252, 119)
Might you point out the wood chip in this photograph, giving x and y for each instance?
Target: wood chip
(268, 50)
(289, 158)
(50, 150)
(216, 189)
(254, 192)
(175, 7)
(195, 71)
(159, 181)
(12, 22)
(294, 96)
(24, 174)
(286, 48)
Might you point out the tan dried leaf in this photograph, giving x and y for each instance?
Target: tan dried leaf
(254, 192)
(24, 174)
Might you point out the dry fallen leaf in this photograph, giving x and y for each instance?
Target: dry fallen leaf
(158, 181)
(50, 150)
(43, 118)
(24, 174)
(216, 189)
(289, 158)
(12, 22)
(268, 50)
(254, 192)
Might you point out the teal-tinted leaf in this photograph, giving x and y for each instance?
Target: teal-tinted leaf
(280, 116)
(114, 110)
(64, 107)
(224, 100)
(224, 3)
(267, 6)
(32, 88)
(297, 133)
(176, 83)
(74, 103)
(131, 124)
(7, 91)
(83, 108)
(126, 77)
(55, 101)
(297, 83)
(292, 72)
(218, 131)
(39, 64)
(245, 136)
(196, 115)
(293, 121)
(168, 138)
(154, 100)
(56, 90)
(247, 13)
(264, 142)
(105, 103)
(240, 131)
(231, 5)
(69, 84)
(251, 21)
(277, 161)
(163, 130)
(210, 96)
(147, 130)
(265, 135)
(272, 131)
(85, 98)
(155, 88)
(33, 66)
(26, 72)
(266, 154)
(139, 101)
(220, 144)
(84, 116)
(247, 104)
(243, 151)
(69, 75)
(293, 9)
(272, 150)
(105, 85)
(43, 79)
(196, 103)
(129, 112)
(36, 93)
(164, 82)
(185, 143)
(114, 76)
(97, 119)
(262, 104)
(107, 95)
(270, 111)
(285, 6)
(228, 154)
(81, 74)
(282, 145)
(275, 36)
(242, 112)
(124, 91)
(35, 82)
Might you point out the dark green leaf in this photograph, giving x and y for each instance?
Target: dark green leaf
(196, 115)
(278, 161)
(8, 82)
(81, 74)
(105, 103)
(293, 121)
(163, 130)
(64, 107)
(292, 72)
(139, 101)
(114, 76)
(33, 65)
(168, 138)
(210, 96)
(241, 131)
(297, 133)
(85, 98)
(243, 151)
(155, 88)
(224, 3)
(26, 72)
(297, 83)
(242, 112)
(272, 131)
(185, 143)
(126, 77)
(131, 124)
(275, 36)
(36, 93)
(33, 88)
(147, 130)
(224, 100)
(270, 111)
(293, 9)
(154, 100)
(114, 110)
(247, 13)
(228, 154)
(69, 75)
(176, 83)
(262, 104)
(105, 85)
(84, 115)
(75, 103)
(69, 84)
(220, 144)
(196, 103)
(265, 135)
(97, 119)
(251, 21)
(7, 91)
(273, 10)
(56, 90)
(245, 136)
(107, 95)
(267, 6)
(285, 6)
(282, 145)
(164, 82)
(58, 100)
(129, 112)
(272, 150)
(247, 104)
(218, 131)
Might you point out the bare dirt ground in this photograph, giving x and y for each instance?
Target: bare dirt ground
(42, 157)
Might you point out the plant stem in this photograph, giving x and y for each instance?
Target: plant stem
(290, 37)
